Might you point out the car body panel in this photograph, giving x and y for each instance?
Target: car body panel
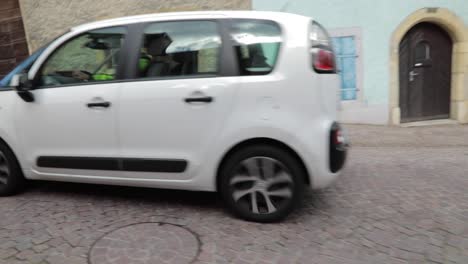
(59, 123)
(293, 105)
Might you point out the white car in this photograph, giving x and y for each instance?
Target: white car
(243, 103)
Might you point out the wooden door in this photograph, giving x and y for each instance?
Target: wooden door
(425, 73)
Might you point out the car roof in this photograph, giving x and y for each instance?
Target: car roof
(275, 16)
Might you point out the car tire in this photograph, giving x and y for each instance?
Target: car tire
(262, 183)
(11, 177)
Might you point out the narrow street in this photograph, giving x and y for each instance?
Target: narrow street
(403, 198)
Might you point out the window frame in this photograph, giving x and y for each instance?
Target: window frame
(65, 39)
(280, 48)
(136, 41)
(356, 33)
(427, 60)
(427, 50)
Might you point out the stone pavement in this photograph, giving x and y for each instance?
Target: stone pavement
(403, 198)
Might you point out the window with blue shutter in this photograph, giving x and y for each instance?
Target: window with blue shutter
(346, 56)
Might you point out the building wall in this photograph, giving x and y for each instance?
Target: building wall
(45, 19)
(377, 20)
(13, 47)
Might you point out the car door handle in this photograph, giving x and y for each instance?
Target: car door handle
(99, 105)
(199, 99)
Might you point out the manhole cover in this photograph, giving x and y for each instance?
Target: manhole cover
(147, 243)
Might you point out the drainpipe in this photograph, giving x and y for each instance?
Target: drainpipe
(286, 6)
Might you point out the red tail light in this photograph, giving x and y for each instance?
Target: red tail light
(323, 58)
(338, 137)
(324, 61)
(338, 148)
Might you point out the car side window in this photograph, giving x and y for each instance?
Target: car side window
(180, 48)
(88, 58)
(257, 44)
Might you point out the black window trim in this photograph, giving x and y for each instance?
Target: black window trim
(120, 68)
(134, 35)
(127, 70)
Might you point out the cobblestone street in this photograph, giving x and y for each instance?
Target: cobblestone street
(403, 198)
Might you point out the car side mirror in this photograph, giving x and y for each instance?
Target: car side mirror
(23, 86)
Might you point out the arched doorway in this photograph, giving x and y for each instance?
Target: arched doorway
(454, 26)
(425, 63)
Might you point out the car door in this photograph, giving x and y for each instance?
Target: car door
(170, 115)
(69, 130)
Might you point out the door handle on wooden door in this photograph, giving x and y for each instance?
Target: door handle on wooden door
(412, 74)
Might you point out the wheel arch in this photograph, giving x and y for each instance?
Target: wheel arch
(260, 141)
(3, 141)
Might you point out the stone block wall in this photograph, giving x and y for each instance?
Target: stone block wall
(13, 46)
(46, 19)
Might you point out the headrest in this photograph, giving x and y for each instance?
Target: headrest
(157, 44)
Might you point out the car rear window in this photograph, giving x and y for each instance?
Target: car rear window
(257, 44)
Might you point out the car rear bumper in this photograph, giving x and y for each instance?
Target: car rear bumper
(338, 148)
(337, 154)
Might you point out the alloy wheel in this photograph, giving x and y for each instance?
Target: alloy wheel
(262, 185)
(4, 169)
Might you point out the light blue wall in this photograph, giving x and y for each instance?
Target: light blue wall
(378, 19)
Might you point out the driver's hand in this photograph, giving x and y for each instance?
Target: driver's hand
(80, 75)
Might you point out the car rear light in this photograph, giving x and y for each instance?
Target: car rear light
(338, 148)
(323, 57)
(338, 137)
(324, 61)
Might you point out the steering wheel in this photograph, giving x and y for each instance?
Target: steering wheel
(87, 73)
(51, 79)
(76, 76)
(82, 75)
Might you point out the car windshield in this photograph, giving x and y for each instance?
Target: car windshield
(22, 67)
